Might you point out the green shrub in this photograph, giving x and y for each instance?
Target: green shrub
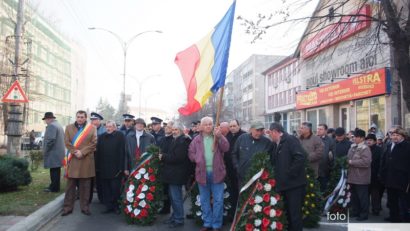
(36, 158)
(13, 173)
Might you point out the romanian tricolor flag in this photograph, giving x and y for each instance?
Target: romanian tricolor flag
(203, 65)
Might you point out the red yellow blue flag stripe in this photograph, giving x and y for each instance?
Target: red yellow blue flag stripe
(203, 65)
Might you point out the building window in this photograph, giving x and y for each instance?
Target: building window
(317, 116)
(294, 121)
(371, 111)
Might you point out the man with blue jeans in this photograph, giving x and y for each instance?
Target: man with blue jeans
(206, 151)
(175, 172)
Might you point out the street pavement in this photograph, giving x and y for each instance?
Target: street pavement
(97, 221)
(8, 221)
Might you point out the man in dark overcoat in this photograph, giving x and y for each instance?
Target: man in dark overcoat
(289, 159)
(395, 174)
(175, 171)
(110, 163)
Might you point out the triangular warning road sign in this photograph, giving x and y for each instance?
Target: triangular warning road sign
(15, 94)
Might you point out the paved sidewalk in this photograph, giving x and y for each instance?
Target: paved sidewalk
(8, 221)
(97, 221)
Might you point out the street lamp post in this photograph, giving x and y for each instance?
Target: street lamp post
(124, 45)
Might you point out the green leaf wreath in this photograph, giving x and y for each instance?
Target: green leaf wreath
(260, 206)
(142, 196)
(312, 206)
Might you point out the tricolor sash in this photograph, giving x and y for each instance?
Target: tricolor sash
(76, 142)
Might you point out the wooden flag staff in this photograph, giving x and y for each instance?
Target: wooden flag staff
(218, 113)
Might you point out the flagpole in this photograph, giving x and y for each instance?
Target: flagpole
(218, 112)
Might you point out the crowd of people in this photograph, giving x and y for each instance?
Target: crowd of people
(101, 156)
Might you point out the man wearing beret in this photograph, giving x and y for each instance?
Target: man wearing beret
(157, 131)
(358, 175)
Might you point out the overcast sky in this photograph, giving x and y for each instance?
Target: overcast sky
(183, 23)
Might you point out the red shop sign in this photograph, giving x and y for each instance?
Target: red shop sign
(371, 84)
(348, 26)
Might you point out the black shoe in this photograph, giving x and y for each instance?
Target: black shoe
(190, 216)
(361, 218)
(164, 211)
(167, 222)
(65, 213)
(175, 225)
(86, 212)
(375, 213)
(107, 211)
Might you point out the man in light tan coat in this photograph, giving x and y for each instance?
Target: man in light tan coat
(312, 144)
(80, 141)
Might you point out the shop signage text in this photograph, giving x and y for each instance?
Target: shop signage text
(365, 63)
(365, 85)
(349, 25)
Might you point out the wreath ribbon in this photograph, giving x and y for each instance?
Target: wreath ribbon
(239, 213)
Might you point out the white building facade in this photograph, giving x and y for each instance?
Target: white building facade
(282, 82)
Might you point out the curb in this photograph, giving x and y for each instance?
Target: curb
(41, 217)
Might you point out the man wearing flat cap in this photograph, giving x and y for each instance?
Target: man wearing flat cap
(358, 175)
(246, 146)
(96, 121)
(53, 149)
(136, 144)
(157, 131)
(127, 126)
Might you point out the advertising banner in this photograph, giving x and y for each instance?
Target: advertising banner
(373, 83)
